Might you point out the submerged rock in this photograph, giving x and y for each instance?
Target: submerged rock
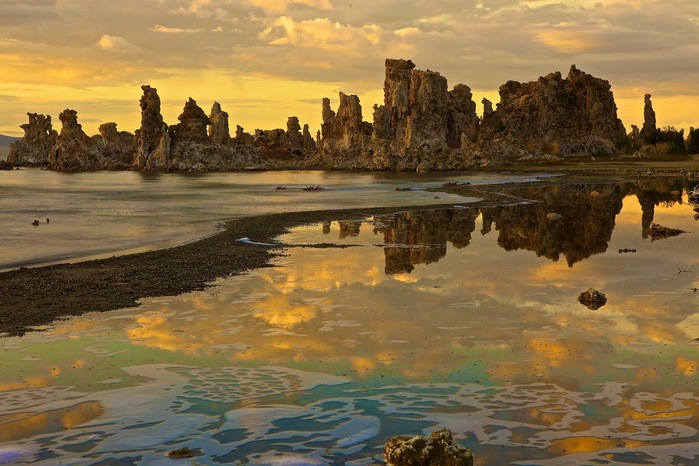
(592, 298)
(656, 232)
(437, 450)
(184, 452)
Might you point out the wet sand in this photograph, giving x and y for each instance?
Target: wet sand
(37, 296)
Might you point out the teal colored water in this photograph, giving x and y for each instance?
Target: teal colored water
(463, 318)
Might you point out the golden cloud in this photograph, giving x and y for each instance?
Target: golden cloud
(320, 33)
(567, 41)
(115, 43)
(281, 6)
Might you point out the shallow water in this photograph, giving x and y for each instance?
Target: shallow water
(100, 214)
(464, 318)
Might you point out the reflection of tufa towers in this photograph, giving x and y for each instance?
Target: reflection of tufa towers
(582, 227)
(421, 237)
(588, 216)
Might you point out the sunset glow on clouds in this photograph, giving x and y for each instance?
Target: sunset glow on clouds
(267, 60)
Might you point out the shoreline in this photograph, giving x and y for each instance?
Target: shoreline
(37, 296)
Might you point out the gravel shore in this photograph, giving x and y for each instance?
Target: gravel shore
(31, 297)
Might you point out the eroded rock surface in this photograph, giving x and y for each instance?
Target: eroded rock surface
(575, 115)
(219, 131)
(592, 299)
(438, 449)
(649, 125)
(74, 150)
(192, 126)
(153, 138)
(33, 148)
(117, 148)
(422, 125)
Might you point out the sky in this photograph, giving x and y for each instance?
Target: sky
(266, 60)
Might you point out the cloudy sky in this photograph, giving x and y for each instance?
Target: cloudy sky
(265, 60)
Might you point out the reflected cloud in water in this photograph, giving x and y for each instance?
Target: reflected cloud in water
(463, 318)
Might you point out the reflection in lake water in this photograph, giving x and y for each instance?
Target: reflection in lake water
(462, 318)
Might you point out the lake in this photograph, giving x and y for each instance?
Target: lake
(458, 317)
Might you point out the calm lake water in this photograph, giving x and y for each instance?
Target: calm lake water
(105, 213)
(458, 317)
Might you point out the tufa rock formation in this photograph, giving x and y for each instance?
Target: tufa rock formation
(437, 450)
(420, 118)
(219, 133)
(422, 125)
(153, 138)
(33, 148)
(648, 132)
(592, 299)
(575, 115)
(192, 127)
(74, 150)
(116, 147)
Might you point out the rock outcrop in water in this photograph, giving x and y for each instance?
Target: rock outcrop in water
(153, 138)
(424, 126)
(74, 150)
(421, 125)
(33, 148)
(117, 148)
(420, 118)
(575, 115)
(438, 449)
(219, 132)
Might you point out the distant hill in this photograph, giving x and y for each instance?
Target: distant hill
(5, 142)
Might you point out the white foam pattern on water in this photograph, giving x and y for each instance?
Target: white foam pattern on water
(272, 415)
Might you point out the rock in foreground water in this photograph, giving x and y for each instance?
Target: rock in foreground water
(593, 299)
(437, 450)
